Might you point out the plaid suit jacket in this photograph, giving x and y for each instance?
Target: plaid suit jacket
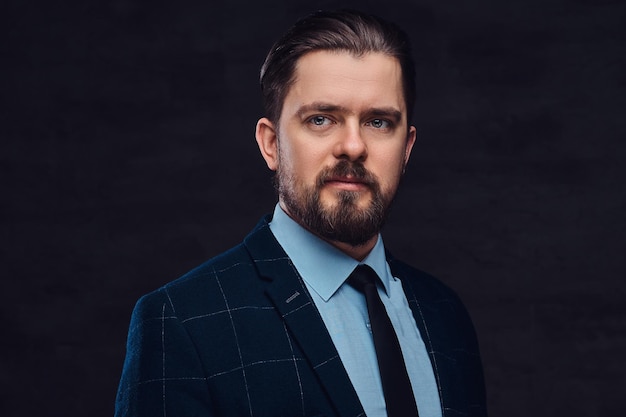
(240, 336)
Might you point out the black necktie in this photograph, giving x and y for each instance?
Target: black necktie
(396, 384)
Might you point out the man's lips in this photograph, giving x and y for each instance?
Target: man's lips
(347, 183)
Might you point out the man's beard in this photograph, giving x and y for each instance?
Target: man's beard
(345, 221)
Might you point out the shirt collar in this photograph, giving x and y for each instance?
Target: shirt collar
(322, 266)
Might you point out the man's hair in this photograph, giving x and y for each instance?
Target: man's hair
(351, 31)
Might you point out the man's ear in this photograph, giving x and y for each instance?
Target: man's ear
(410, 141)
(267, 139)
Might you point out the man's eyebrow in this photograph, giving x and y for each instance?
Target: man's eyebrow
(387, 112)
(321, 107)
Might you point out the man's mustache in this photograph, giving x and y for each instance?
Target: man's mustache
(343, 169)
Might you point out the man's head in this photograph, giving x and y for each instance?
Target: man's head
(347, 31)
(341, 138)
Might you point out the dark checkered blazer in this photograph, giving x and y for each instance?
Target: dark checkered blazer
(240, 336)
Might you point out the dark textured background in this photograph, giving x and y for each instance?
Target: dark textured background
(128, 157)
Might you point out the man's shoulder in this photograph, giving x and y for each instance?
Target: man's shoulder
(209, 287)
(236, 261)
(230, 261)
(230, 278)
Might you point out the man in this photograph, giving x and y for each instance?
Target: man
(277, 326)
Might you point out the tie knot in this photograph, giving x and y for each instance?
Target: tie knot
(362, 277)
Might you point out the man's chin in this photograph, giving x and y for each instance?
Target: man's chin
(345, 200)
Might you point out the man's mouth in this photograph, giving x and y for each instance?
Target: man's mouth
(349, 183)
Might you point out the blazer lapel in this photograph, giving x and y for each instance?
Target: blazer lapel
(288, 293)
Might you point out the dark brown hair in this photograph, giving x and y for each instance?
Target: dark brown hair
(344, 30)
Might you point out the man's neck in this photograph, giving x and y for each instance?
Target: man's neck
(358, 252)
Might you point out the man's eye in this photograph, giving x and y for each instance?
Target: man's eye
(379, 124)
(319, 120)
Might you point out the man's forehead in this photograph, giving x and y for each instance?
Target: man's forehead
(327, 78)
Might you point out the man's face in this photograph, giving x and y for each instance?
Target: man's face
(341, 144)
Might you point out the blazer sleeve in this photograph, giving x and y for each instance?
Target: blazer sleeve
(162, 373)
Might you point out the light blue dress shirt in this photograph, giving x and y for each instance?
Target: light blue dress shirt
(324, 269)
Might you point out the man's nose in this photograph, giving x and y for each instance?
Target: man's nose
(351, 144)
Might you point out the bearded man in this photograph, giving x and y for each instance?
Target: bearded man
(309, 315)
